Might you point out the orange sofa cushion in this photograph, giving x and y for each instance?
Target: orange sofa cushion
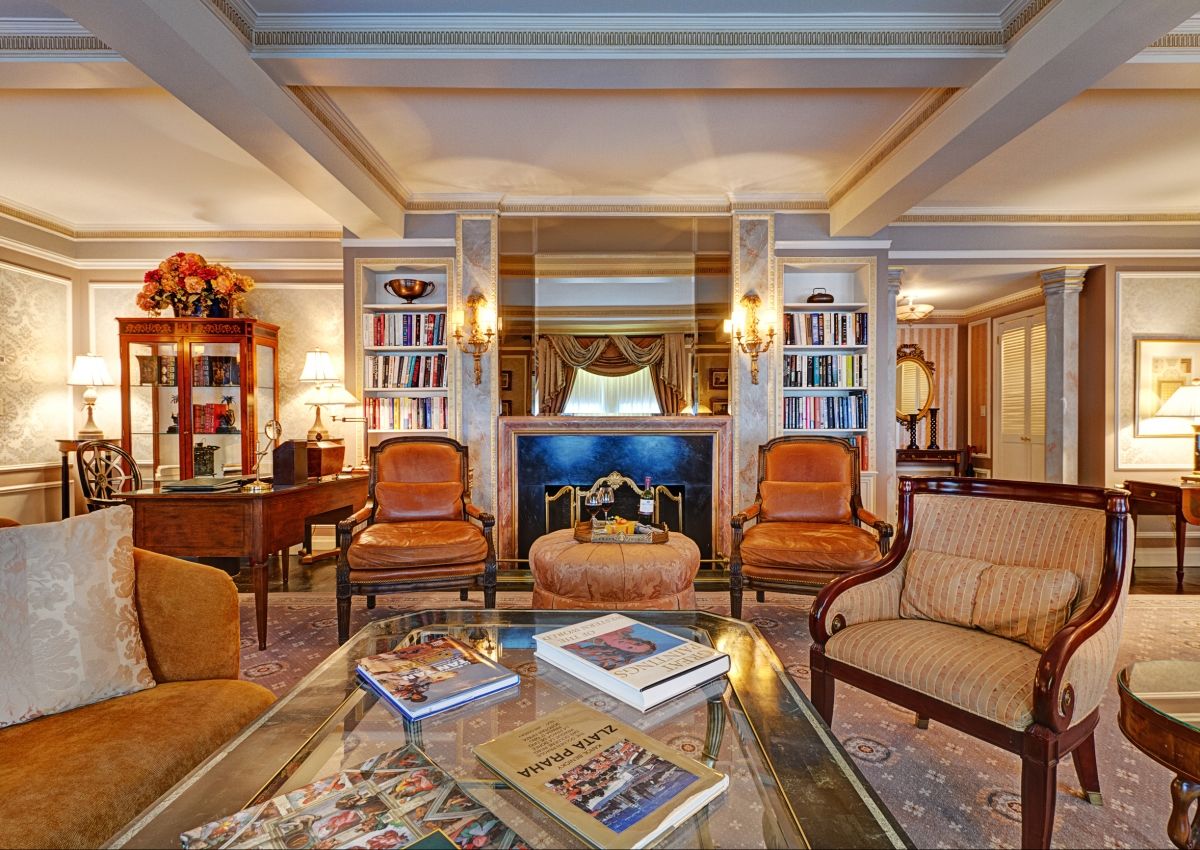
(833, 546)
(395, 545)
(419, 501)
(805, 501)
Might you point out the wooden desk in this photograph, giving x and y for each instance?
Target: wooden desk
(239, 525)
(1154, 499)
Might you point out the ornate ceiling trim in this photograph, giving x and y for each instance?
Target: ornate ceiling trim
(1184, 218)
(1033, 293)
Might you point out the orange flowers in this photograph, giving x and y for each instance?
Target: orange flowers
(192, 286)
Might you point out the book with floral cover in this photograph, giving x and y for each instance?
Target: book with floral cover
(397, 799)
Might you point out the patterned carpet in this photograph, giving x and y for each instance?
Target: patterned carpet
(945, 788)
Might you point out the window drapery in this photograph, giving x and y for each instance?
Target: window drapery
(559, 356)
(612, 395)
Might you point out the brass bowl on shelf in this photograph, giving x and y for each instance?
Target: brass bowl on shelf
(409, 288)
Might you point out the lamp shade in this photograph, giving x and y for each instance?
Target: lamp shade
(911, 312)
(318, 368)
(89, 371)
(1184, 402)
(329, 394)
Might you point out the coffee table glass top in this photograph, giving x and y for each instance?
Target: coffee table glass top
(791, 783)
(1172, 688)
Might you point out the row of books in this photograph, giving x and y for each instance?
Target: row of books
(412, 412)
(156, 369)
(405, 371)
(216, 371)
(841, 371)
(213, 419)
(829, 412)
(404, 329)
(824, 328)
(605, 780)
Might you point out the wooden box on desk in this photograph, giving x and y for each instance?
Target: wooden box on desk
(296, 461)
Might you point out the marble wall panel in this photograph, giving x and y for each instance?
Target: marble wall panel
(479, 405)
(753, 406)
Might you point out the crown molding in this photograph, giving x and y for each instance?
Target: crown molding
(1058, 255)
(354, 242)
(40, 275)
(281, 264)
(833, 245)
(1033, 293)
(991, 216)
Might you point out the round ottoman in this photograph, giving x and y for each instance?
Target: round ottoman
(567, 574)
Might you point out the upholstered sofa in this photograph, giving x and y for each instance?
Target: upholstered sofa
(998, 612)
(74, 779)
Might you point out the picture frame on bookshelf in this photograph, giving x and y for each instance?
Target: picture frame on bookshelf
(720, 406)
(506, 380)
(718, 379)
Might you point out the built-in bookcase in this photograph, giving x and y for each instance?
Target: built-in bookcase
(404, 355)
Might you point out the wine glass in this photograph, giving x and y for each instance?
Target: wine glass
(592, 501)
(606, 499)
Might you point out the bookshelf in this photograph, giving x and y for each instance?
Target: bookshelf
(405, 368)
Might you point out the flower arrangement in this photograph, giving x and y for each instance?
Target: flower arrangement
(192, 286)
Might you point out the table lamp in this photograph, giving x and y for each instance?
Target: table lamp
(90, 371)
(325, 395)
(1185, 403)
(318, 370)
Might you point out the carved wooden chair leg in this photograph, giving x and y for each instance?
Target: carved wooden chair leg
(922, 721)
(761, 595)
(1039, 775)
(1088, 770)
(822, 685)
(283, 565)
(343, 616)
(370, 601)
(463, 595)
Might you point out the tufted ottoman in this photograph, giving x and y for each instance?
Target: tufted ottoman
(567, 574)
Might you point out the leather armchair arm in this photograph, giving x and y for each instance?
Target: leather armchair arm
(860, 597)
(347, 527)
(750, 513)
(882, 528)
(479, 515)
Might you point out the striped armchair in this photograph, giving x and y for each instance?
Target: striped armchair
(998, 612)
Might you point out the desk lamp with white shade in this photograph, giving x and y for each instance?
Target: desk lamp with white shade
(90, 371)
(1184, 403)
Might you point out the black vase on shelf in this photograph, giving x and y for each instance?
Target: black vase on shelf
(933, 442)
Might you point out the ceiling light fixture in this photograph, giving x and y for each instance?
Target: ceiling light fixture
(911, 312)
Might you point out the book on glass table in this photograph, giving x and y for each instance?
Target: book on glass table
(636, 663)
(425, 678)
(610, 784)
(397, 799)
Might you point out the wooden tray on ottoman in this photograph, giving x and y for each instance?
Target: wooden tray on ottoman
(585, 534)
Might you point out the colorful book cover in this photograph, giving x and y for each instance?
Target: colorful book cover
(609, 783)
(425, 678)
(398, 799)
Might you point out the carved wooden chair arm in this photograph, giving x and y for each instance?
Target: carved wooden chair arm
(859, 597)
(882, 528)
(745, 516)
(481, 516)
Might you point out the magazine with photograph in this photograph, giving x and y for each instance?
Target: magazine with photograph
(425, 678)
(397, 799)
(634, 662)
(607, 782)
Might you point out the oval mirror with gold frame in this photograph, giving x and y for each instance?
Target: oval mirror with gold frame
(914, 382)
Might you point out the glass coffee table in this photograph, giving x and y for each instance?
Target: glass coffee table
(791, 783)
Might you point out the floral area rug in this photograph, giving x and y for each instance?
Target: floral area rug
(945, 788)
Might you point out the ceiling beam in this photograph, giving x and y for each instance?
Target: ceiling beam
(191, 53)
(1070, 46)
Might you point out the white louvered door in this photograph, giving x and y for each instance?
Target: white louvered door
(1020, 396)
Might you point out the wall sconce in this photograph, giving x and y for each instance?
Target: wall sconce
(744, 328)
(480, 325)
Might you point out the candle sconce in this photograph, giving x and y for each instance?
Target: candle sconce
(745, 331)
(480, 331)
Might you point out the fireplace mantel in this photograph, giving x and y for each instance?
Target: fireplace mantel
(515, 429)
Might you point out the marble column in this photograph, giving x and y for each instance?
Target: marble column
(478, 406)
(884, 452)
(1061, 287)
(753, 406)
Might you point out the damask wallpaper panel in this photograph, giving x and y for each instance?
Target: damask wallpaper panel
(309, 316)
(35, 344)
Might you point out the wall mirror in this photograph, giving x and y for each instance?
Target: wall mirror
(914, 382)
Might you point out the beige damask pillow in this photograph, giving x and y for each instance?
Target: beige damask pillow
(69, 631)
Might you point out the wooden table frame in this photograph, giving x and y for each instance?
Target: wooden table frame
(1154, 499)
(239, 525)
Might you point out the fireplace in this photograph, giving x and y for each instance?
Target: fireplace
(688, 455)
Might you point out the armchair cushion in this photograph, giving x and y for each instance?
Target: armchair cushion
(1024, 604)
(418, 501)
(940, 587)
(980, 673)
(427, 543)
(805, 501)
(833, 546)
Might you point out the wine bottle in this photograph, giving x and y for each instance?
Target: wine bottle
(646, 505)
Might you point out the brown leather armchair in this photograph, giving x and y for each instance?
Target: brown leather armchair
(808, 513)
(416, 532)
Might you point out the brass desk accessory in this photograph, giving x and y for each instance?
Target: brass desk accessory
(273, 430)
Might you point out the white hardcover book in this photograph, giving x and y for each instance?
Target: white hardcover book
(636, 663)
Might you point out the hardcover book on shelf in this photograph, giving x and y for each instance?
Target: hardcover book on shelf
(425, 678)
(634, 662)
(605, 781)
(398, 799)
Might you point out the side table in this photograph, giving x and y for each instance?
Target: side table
(1160, 715)
(1154, 499)
(65, 447)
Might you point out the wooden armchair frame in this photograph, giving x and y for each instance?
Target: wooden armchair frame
(105, 471)
(738, 581)
(348, 528)
(1055, 731)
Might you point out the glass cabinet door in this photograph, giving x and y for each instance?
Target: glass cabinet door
(215, 417)
(264, 395)
(154, 409)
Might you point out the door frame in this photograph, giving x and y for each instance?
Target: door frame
(994, 395)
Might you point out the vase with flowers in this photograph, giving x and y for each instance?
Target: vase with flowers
(192, 286)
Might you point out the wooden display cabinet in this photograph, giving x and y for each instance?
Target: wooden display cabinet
(196, 393)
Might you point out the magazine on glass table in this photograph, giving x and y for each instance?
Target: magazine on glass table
(397, 799)
(636, 663)
(607, 782)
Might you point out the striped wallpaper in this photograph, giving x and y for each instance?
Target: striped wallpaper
(940, 344)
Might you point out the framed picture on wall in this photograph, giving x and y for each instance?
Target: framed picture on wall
(718, 379)
(1161, 366)
(720, 406)
(505, 380)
